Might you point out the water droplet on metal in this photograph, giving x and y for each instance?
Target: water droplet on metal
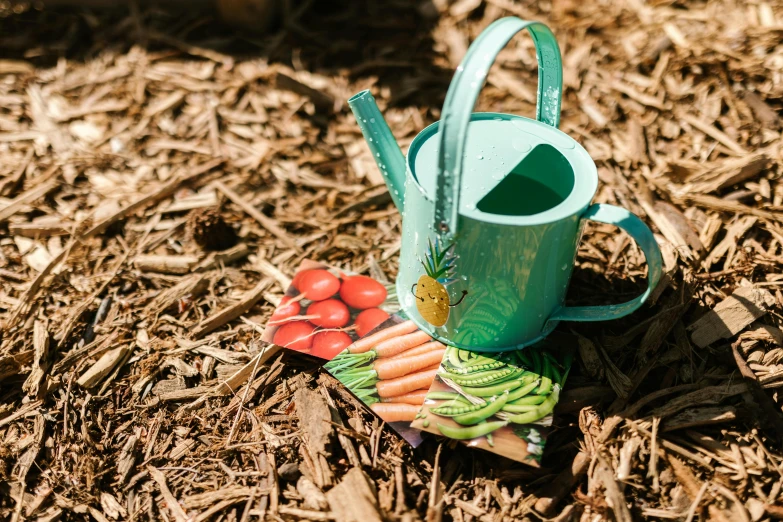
(521, 145)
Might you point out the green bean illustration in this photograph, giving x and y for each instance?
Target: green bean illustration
(471, 432)
(541, 411)
(520, 408)
(455, 407)
(554, 372)
(535, 361)
(546, 381)
(442, 395)
(474, 417)
(527, 400)
(522, 391)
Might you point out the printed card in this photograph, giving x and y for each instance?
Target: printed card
(501, 402)
(349, 320)
(497, 402)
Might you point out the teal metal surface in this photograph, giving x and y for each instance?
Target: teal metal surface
(463, 93)
(493, 206)
(635, 228)
(384, 148)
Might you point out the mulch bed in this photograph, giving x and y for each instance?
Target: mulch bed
(162, 176)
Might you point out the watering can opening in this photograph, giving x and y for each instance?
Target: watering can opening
(542, 180)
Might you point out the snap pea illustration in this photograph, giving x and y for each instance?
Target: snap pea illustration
(521, 391)
(528, 400)
(483, 413)
(455, 408)
(479, 367)
(485, 377)
(493, 391)
(540, 411)
(471, 432)
(520, 408)
(442, 395)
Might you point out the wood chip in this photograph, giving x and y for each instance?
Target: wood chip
(172, 505)
(104, 366)
(314, 416)
(230, 313)
(700, 417)
(731, 315)
(733, 234)
(166, 264)
(353, 499)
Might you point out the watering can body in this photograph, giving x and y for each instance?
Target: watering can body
(493, 208)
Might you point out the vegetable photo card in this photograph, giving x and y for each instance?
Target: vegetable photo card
(349, 321)
(498, 402)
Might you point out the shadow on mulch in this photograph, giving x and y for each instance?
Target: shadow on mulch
(387, 41)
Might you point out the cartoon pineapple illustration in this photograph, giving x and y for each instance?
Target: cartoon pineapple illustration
(432, 298)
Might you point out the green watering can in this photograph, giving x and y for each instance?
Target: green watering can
(493, 207)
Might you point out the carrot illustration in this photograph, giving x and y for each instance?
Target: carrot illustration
(395, 412)
(400, 344)
(366, 386)
(417, 350)
(366, 343)
(347, 361)
(415, 398)
(392, 368)
(406, 383)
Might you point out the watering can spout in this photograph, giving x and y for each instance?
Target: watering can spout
(384, 148)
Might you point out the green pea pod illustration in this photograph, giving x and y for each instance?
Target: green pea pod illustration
(496, 389)
(442, 395)
(471, 432)
(483, 413)
(541, 411)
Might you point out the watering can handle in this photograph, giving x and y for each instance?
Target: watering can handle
(464, 91)
(641, 233)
